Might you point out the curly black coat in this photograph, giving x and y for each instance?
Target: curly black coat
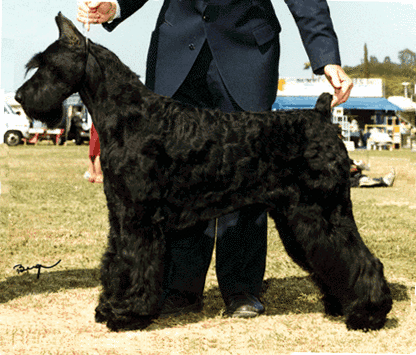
(168, 167)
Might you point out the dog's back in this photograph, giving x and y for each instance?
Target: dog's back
(168, 167)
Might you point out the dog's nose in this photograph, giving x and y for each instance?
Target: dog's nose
(18, 97)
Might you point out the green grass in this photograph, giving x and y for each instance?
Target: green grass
(48, 212)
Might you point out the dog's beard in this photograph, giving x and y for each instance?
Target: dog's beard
(51, 118)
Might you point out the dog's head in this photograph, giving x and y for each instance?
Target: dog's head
(59, 73)
(323, 106)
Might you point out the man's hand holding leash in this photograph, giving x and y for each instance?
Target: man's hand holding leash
(95, 12)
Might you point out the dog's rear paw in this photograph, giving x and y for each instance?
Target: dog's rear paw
(365, 321)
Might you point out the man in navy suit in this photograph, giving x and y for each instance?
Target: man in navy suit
(224, 54)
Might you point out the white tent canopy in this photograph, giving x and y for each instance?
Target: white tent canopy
(404, 103)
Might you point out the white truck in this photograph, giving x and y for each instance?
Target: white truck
(13, 127)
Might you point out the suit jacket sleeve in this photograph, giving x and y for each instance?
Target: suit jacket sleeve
(127, 8)
(317, 32)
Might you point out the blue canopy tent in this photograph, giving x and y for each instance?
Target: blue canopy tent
(353, 103)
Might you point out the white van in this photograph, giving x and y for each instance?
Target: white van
(13, 127)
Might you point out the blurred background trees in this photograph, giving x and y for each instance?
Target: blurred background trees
(394, 74)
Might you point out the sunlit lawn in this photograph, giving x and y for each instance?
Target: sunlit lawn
(49, 212)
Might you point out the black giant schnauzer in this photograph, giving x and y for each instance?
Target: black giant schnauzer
(168, 167)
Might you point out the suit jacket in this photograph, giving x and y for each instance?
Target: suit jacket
(243, 36)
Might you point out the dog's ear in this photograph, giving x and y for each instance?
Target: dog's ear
(323, 105)
(68, 32)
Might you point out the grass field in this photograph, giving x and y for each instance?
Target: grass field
(50, 213)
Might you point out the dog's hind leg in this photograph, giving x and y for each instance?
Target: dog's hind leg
(296, 251)
(131, 276)
(327, 244)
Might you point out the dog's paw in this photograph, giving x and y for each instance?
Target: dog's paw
(131, 323)
(365, 321)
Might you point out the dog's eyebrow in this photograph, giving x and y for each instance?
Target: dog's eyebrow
(34, 63)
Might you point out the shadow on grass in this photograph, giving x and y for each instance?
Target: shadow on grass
(288, 295)
(300, 295)
(281, 296)
(48, 282)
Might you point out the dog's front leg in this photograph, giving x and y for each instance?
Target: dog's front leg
(131, 276)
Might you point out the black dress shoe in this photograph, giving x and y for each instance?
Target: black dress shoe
(244, 306)
(176, 305)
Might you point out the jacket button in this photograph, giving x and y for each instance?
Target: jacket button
(191, 46)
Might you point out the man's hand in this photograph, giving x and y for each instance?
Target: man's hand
(341, 83)
(95, 12)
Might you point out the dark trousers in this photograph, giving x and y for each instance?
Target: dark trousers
(241, 236)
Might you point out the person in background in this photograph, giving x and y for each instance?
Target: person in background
(358, 179)
(224, 54)
(94, 173)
